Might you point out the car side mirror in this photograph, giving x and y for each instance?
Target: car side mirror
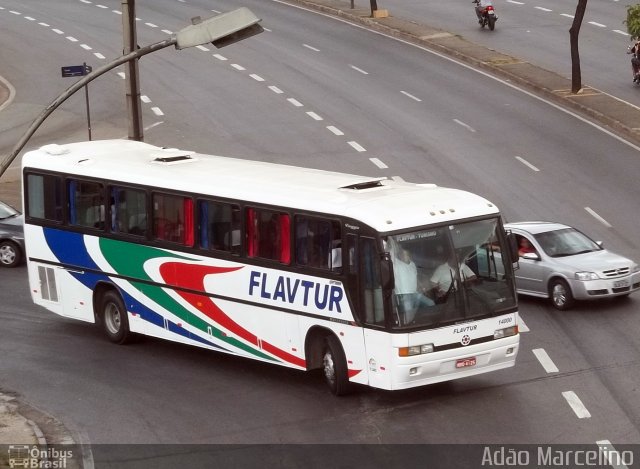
(601, 244)
(532, 256)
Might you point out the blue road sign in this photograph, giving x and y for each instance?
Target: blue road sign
(76, 70)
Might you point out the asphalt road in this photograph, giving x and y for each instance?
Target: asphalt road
(426, 119)
(538, 32)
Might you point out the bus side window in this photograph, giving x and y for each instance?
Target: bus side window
(173, 218)
(128, 211)
(318, 243)
(268, 235)
(219, 226)
(86, 204)
(44, 197)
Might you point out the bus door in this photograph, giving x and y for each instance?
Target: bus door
(371, 312)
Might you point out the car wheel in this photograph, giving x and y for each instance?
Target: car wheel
(560, 294)
(10, 254)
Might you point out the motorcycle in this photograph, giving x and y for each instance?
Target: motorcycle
(486, 13)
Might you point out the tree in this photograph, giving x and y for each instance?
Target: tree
(576, 77)
(633, 21)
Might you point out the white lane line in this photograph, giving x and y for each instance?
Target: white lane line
(616, 460)
(545, 360)
(202, 48)
(275, 89)
(599, 25)
(542, 9)
(167, 31)
(220, 57)
(99, 55)
(576, 404)
(514, 1)
(267, 29)
(85, 1)
(597, 217)
(72, 39)
(522, 327)
(46, 25)
(256, 77)
(409, 95)
(295, 102)
(13, 12)
(624, 33)
(357, 69)
(57, 31)
(29, 18)
(526, 163)
(397, 178)
(311, 47)
(145, 99)
(238, 67)
(151, 25)
(314, 116)
(335, 130)
(378, 163)
(567, 15)
(86, 47)
(117, 12)
(466, 126)
(356, 146)
(153, 125)
(157, 111)
(104, 7)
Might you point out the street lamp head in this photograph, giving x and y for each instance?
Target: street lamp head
(221, 30)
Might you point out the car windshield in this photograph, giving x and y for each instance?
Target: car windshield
(7, 212)
(450, 273)
(566, 242)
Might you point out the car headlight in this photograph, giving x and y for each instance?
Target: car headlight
(586, 276)
(415, 350)
(635, 268)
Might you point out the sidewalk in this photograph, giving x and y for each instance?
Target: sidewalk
(620, 117)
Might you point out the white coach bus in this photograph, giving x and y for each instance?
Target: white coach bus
(374, 281)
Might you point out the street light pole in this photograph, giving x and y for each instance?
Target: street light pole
(132, 80)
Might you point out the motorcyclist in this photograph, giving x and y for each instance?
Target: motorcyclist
(635, 60)
(481, 6)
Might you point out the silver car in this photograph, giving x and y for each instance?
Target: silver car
(11, 236)
(561, 263)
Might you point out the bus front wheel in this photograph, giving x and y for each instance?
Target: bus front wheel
(334, 366)
(114, 318)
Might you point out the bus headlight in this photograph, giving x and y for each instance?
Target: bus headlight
(506, 332)
(415, 350)
(586, 276)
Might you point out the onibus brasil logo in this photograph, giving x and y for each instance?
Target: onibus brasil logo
(36, 457)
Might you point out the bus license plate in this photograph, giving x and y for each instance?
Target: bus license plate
(463, 362)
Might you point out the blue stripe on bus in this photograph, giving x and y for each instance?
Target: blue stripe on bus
(70, 249)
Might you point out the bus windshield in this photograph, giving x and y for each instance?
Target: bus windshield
(450, 273)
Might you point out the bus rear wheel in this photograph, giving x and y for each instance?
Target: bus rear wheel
(334, 366)
(114, 318)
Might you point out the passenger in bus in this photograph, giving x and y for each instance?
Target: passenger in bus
(409, 294)
(444, 277)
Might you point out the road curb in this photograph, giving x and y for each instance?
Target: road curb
(619, 116)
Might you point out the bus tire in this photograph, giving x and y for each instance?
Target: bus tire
(334, 367)
(113, 315)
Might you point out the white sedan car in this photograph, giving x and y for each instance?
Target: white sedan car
(561, 263)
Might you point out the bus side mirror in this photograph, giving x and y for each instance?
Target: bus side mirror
(513, 246)
(386, 272)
